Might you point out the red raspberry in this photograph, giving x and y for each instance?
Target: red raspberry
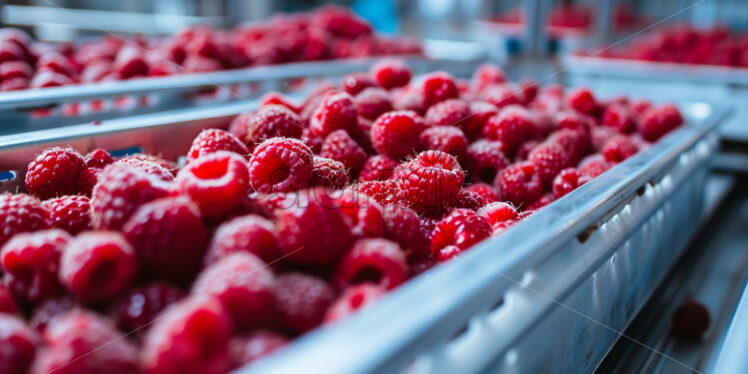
(519, 184)
(582, 100)
(691, 320)
(523, 152)
(336, 112)
(353, 83)
(377, 261)
(14, 84)
(540, 203)
(499, 214)
(169, 238)
(485, 191)
(150, 167)
(377, 168)
(30, 262)
(639, 107)
(468, 200)
(268, 122)
(619, 148)
(437, 87)
(312, 229)
(403, 226)
(98, 158)
(484, 159)
(487, 75)
(658, 121)
(7, 303)
(462, 228)
(410, 100)
(47, 313)
(618, 116)
(130, 62)
(55, 62)
(352, 300)
(600, 135)
(239, 125)
(141, 305)
(480, 111)
(48, 78)
(87, 180)
(20, 213)
(214, 140)
(329, 173)
(571, 141)
(373, 102)
(339, 146)
(96, 266)
(314, 142)
(431, 180)
(448, 139)
(452, 112)
(19, 344)
(250, 233)
(549, 158)
(501, 95)
(243, 284)
(391, 73)
(165, 164)
(364, 213)
(15, 70)
(53, 173)
(566, 181)
(70, 213)
(385, 192)
(527, 90)
(579, 123)
(255, 345)
(395, 134)
(277, 98)
(120, 191)
(217, 182)
(301, 301)
(280, 165)
(512, 127)
(191, 337)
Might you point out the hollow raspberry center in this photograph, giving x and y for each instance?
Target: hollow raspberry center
(357, 301)
(367, 274)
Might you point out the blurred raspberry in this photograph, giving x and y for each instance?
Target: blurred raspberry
(582, 100)
(19, 344)
(363, 212)
(377, 167)
(480, 111)
(301, 301)
(519, 184)
(372, 102)
(501, 96)
(448, 139)
(391, 73)
(98, 158)
(468, 200)
(268, 122)
(452, 112)
(353, 83)
(255, 345)
(619, 148)
(20, 213)
(512, 126)
(566, 181)
(329, 173)
(484, 159)
(487, 75)
(339, 146)
(352, 300)
(136, 309)
(658, 121)
(618, 116)
(250, 233)
(437, 87)
(70, 213)
(499, 214)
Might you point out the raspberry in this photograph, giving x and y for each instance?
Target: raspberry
(280, 165)
(500, 95)
(277, 98)
(329, 173)
(512, 126)
(592, 166)
(691, 320)
(437, 87)
(15, 70)
(619, 148)
(582, 100)
(403, 226)
(55, 62)
(19, 345)
(549, 158)
(487, 75)
(391, 73)
(96, 266)
(353, 83)
(566, 181)
(301, 301)
(363, 212)
(339, 146)
(336, 112)
(571, 141)
(30, 262)
(268, 122)
(519, 184)
(214, 140)
(448, 139)
(47, 313)
(169, 238)
(385, 192)
(130, 62)
(165, 164)
(217, 182)
(239, 125)
(255, 345)
(527, 90)
(498, 214)
(468, 200)
(540, 203)
(480, 111)
(658, 121)
(484, 159)
(141, 305)
(619, 117)
(98, 158)
(431, 180)
(243, 284)
(579, 123)
(53, 172)
(48, 78)
(485, 191)
(639, 107)
(600, 136)
(452, 112)
(523, 152)
(352, 300)
(87, 180)
(462, 229)
(7, 303)
(395, 134)
(70, 213)
(250, 233)
(377, 261)
(372, 102)
(410, 100)
(192, 337)
(149, 167)
(20, 213)
(377, 168)
(120, 191)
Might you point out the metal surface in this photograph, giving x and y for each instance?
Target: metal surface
(733, 358)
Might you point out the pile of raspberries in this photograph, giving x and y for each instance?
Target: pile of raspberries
(297, 216)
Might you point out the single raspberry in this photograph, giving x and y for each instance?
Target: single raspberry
(391, 73)
(487, 75)
(377, 261)
(130, 62)
(353, 83)
(19, 344)
(523, 152)
(55, 62)
(363, 212)
(437, 87)
(430, 181)
(396, 134)
(691, 320)
(312, 229)
(136, 309)
(527, 90)
(30, 262)
(352, 300)
(592, 166)
(549, 158)
(53, 172)
(245, 349)
(336, 112)
(373, 102)
(377, 168)
(619, 117)
(462, 229)
(280, 165)
(217, 182)
(582, 100)
(448, 139)
(385, 192)
(87, 180)
(268, 122)
(498, 214)
(412, 100)
(485, 191)
(214, 140)
(600, 136)
(7, 303)
(512, 126)
(15, 70)
(484, 159)
(150, 167)
(239, 126)
(480, 111)
(339, 146)
(169, 238)
(48, 78)
(658, 121)
(192, 336)
(403, 226)
(250, 233)
(452, 112)
(120, 191)
(639, 107)
(572, 141)
(96, 266)
(243, 284)
(329, 173)
(468, 200)
(579, 123)
(70, 213)
(20, 213)
(501, 96)
(519, 184)
(315, 97)
(98, 158)
(566, 181)
(619, 148)
(167, 165)
(277, 98)
(47, 313)
(301, 301)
